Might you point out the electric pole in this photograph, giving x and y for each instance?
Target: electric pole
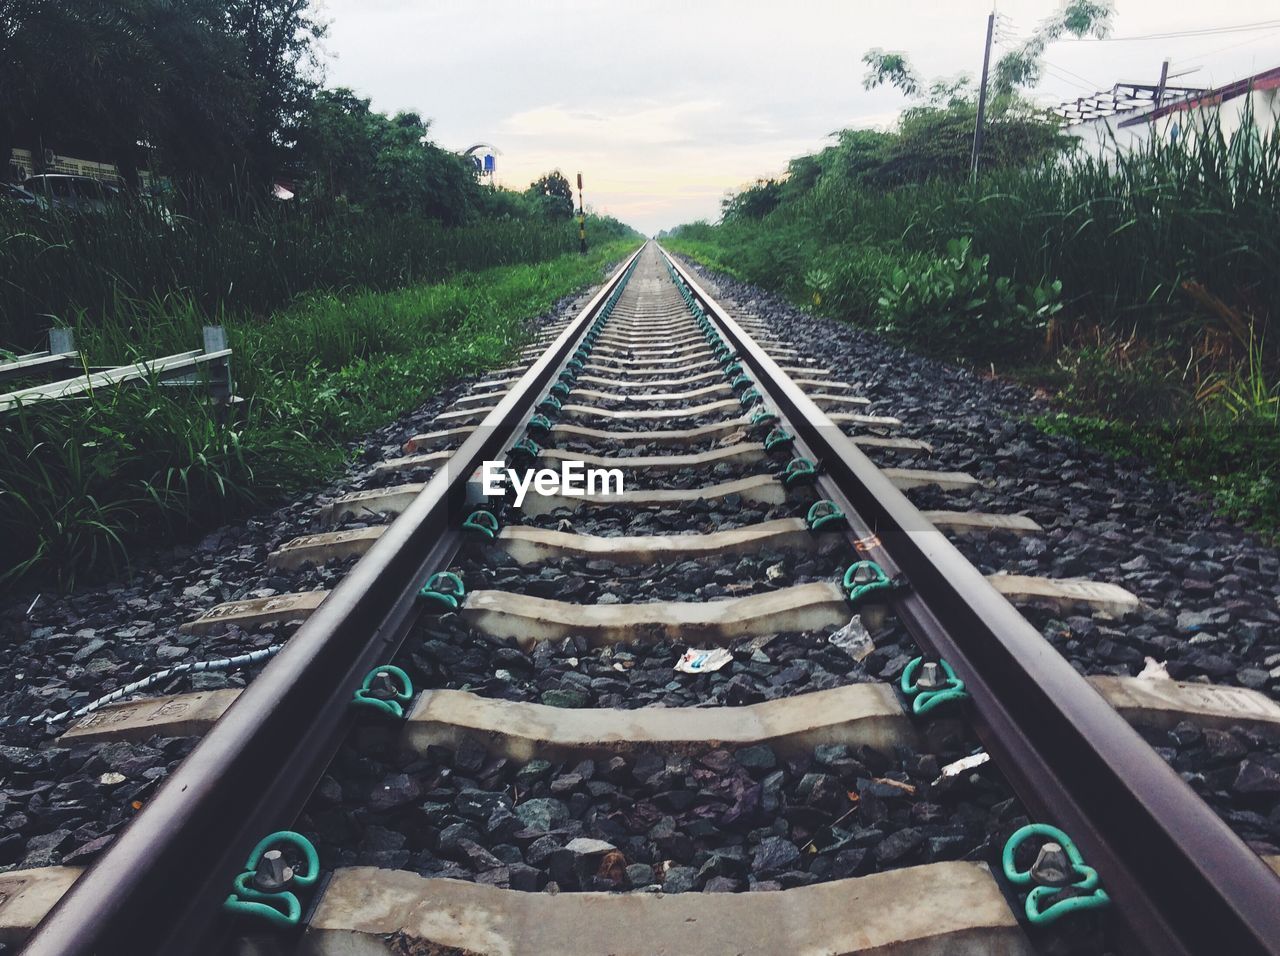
(582, 219)
(1164, 81)
(982, 98)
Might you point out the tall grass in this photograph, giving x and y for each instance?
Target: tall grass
(1169, 287)
(1124, 237)
(83, 485)
(54, 267)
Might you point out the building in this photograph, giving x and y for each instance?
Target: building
(1129, 115)
(22, 164)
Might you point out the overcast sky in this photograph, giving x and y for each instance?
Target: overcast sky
(664, 105)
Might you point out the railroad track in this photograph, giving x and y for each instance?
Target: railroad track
(492, 724)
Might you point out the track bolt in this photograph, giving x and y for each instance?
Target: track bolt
(865, 573)
(273, 873)
(931, 676)
(1052, 866)
(382, 687)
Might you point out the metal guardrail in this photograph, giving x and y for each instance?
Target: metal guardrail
(158, 888)
(1182, 882)
(182, 368)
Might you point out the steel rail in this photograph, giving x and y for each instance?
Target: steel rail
(1181, 881)
(158, 888)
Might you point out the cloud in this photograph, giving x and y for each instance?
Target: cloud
(665, 104)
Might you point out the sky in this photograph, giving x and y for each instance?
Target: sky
(666, 106)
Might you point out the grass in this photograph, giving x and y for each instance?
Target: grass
(1143, 291)
(85, 484)
(55, 268)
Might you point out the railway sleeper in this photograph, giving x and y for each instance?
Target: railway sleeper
(496, 612)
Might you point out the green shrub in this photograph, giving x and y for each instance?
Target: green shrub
(951, 304)
(82, 484)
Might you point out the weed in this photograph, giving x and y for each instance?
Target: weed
(84, 484)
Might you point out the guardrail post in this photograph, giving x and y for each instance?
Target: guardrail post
(221, 387)
(61, 341)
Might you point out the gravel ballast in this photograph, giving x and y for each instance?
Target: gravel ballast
(1211, 598)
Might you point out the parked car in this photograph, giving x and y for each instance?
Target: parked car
(11, 193)
(72, 193)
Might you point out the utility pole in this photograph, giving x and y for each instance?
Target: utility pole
(1164, 79)
(582, 219)
(982, 98)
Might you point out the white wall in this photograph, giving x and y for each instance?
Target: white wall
(1104, 136)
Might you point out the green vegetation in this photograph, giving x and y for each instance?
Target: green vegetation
(393, 270)
(85, 482)
(1143, 288)
(105, 269)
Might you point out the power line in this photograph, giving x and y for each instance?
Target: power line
(1063, 69)
(1089, 88)
(1231, 46)
(1204, 31)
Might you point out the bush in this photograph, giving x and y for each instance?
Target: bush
(84, 483)
(951, 304)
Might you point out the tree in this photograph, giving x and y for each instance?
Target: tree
(212, 84)
(345, 149)
(892, 69)
(205, 101)
(1018, 68)
(553, 195)
(755, 202)
(277, 39)
(1078, 18)
(80, 71)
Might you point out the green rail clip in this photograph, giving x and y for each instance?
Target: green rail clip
(385, 689)
(540, 423)
(1045, 904)
(482, 524)
(798, 471)
(925, 699)
(779, 438)
(750, 397)
(550, 403)
(863, 578)
(762, 418)
(823, 514)
(279, 907)
(525, 448)
(446, 588)
(742, 381)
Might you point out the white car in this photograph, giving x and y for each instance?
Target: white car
(72, 193)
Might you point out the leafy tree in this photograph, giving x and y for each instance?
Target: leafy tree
(891, 69)
(1020, 68)
(553, 194)
(755, 202)
(212, 84)
(1078, 18)
(345, 149)
(76, 71)
(278, 42)
(336, 145)
(936, 140)
(205, 100)
(414, 175)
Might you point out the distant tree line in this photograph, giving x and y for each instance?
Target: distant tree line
(934, 136)
(932, 140)
(222, 97)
